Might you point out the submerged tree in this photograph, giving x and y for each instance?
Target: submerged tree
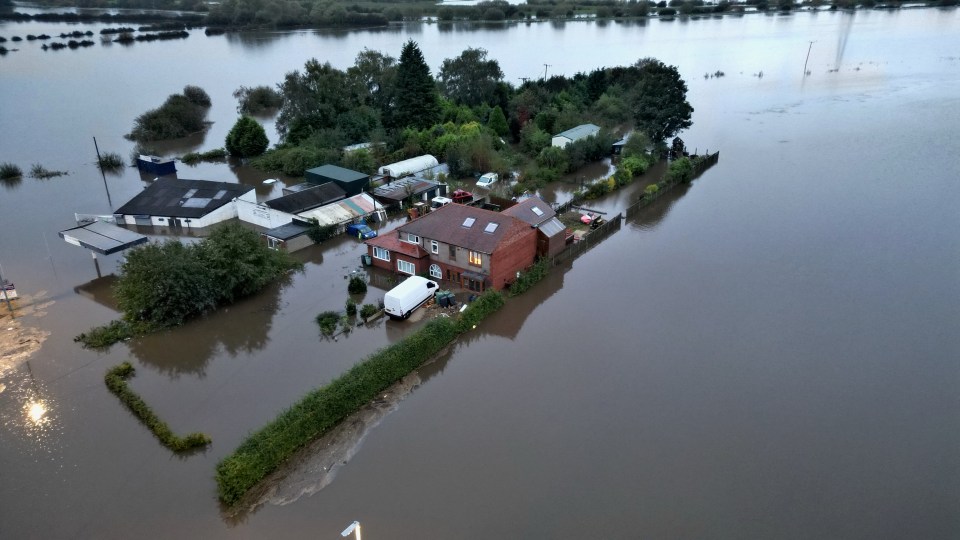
(416, 102)
(660, 106)
(247, 138)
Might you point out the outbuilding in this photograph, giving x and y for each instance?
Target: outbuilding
(290, 237)
(582, 131)
(177, 203)
(408, 166)
(352, 182)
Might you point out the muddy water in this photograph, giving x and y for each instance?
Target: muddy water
(770, 352)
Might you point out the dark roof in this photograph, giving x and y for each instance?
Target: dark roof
(288, 231)
(308, 199)
(102, 238)
(392, 243)
(448, 224)
(399, 190)
(333, 172)
(525, 210)
(175, 197)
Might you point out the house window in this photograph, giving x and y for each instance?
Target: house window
(380, 253)
(274, 243)
(406, 267)
(434, 247)
(411, 238)
(476, 259)
(453, 252)
(435, 271)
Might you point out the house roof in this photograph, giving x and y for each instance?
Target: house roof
(288, 231)
(552, 227)
(342, 210)
(399, 190)
(336, 173)
(307, 199)
(579, 132)
(102, 238)
(391, 242)
(533, 210)
(466, 226)
(174, 197)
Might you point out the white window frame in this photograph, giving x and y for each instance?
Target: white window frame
(411, 238)
(434, 247)
(381, 253)
(274, 243)
(406, 267)
(435, 271)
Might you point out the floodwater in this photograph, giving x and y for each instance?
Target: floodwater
(768, 353)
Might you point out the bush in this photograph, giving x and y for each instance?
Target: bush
(530, 277)
(116, 381)
(179, 116)
(368, 310)
(652, 189)
(257, 100)
(478, 310)
(211, 155)
(110, 162)
(196, 95)
(680, 170)
(41, 172)
(318, 233)
(357, 285)
(9, 170)
(247, 138)
(328, 321)
(351, 308)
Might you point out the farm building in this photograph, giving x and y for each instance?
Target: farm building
(352, 182)
(408, 167)
(574, 134)
(176, 203)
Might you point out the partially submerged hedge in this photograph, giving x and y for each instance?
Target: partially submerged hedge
(116, 379)
(322, 409)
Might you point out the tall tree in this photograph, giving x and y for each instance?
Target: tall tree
(660, 106)
(313, 100)
(416, 102)
(247, 138)
(470, 78)
(374, 73)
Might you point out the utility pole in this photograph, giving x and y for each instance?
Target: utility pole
(545, 66)
(103, 174)
(805, 73)
(524, 79)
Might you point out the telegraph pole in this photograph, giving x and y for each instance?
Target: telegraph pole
(545, 66)
(807, 60)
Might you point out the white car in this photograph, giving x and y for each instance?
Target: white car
(488, 179)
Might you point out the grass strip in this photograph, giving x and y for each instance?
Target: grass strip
(322, 409)
(116, 379)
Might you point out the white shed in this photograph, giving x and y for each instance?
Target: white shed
(574, 134)
(408, 166)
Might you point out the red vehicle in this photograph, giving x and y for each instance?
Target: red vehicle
(461, 197)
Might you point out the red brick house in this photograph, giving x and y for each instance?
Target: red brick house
(551, 234)
(474, 248)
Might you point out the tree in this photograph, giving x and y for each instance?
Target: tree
(416, 102)
(498, 122)
(313, 100)
(374, 74)
(470, 78)
(660, 106)
(247, 138)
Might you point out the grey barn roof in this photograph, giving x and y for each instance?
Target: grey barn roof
(333, 172)
(174, 197)
(102, 238)
(307, 199)
(288, 231)
(579, 132)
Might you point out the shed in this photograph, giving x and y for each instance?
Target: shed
(307, 199)
(574, 134)
(178, 202)
(352, 182)
(408, 166)
(290, 237)
(351, 209)
(413, 186)
(102, 238)
(617, 147)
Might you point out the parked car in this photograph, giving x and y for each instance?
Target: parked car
(402, 300)
(462, 197)
(437, 202)
(488, 179)
(361, 231)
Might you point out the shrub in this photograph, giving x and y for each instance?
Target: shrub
(530, 277)
(196, 95)
(113, 332)
(179, 116)
(9, 170)
(110, 161)
(477, 310)
(247, 138)
(211, 155)
(652, 189)
(257, 100)
(41, 172)
(368, 310)
(680, 170)
(357, 285)
(328, 322)
(351, 307)
(116, 381)
(318, 233)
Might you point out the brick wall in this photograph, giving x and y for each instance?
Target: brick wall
(512, 256)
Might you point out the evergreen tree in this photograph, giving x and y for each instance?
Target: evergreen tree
(417, 102)
(247, 138)
(498, 122)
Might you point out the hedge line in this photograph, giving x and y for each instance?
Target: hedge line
(324, 408)
(530, 277)
(116, 379)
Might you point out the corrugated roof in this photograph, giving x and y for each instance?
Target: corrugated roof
(552, 227)
(399, 190)
(174, 197)
(525, 210)
(342, 211)
(307, 199)
(579, 132)
(101, 237)
(448, 224)
(333, 172)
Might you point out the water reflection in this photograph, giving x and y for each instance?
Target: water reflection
(649, 217)
(27, 413)
(11, 184)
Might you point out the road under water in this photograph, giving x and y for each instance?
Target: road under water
(770, 352)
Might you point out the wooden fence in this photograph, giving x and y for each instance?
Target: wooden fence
(646, 199)
(589, 240)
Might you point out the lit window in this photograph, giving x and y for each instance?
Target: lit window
(476, 259)
(406, 267)
(469, 222)
(434, 247)
(435, 271)
(380, 253)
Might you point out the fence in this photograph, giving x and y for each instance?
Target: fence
(589, 240)
(646, 199)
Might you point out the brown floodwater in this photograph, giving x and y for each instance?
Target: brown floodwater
(770, 352)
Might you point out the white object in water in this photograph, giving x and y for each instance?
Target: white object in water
(270, 181)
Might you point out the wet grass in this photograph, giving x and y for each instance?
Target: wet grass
(217, 154)
(116, 380)
(322, 409)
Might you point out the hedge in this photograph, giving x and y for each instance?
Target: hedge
(116, 380)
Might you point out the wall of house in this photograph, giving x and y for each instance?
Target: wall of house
(511, 257)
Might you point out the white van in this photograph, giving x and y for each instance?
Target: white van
(400, 301)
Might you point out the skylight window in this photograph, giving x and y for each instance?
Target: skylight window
(491, 227)
(536, 210)
(469, 222)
